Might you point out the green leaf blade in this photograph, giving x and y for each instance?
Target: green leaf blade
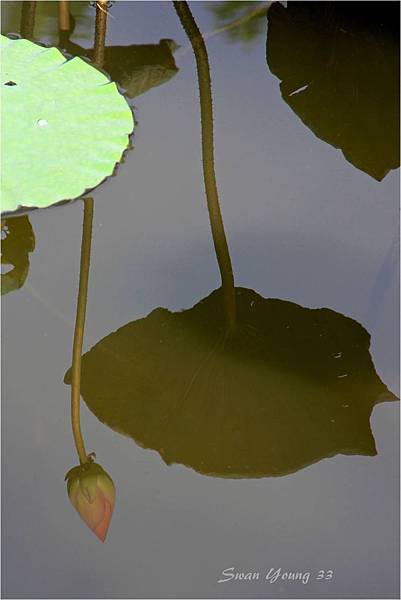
(65, 126)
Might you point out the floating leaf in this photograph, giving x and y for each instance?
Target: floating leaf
(64, 125)
(17, 241)
(339, 71)
(292, 386)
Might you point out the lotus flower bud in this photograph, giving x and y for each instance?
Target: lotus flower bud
(92, 493)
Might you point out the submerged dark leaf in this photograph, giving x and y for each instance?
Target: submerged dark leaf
(338, 63)
(17, 241)
(292, 386)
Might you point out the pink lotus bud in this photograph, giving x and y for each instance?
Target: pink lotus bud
(92, 492)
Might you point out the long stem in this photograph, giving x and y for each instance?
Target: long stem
(261, 9)
(28, 19)
(212, 197)
(63, 15)
(100, 32)
(79, 330)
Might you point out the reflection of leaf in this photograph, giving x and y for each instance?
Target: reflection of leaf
(339, 71)
(243, 21)
(291, 387)
(137, 68)
(18, 241)
(46, 19)
(65, 125)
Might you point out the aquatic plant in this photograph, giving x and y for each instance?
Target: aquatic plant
(65, 125)
(17, 242)
(238, 385)
(92, 493)
(137, 68)
(338, 68)
(291, 387)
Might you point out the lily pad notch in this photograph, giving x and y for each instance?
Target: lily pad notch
(65, 126)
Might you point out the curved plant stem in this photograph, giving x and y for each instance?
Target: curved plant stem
(79, 330)
(100, 33)
(63, 15)
(28, 11)
(206, 107)
(261, 9)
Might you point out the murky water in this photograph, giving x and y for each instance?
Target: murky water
(245, 456)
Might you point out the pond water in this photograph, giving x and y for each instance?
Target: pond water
(304, 225)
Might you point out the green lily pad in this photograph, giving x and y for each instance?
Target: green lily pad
(64, 125)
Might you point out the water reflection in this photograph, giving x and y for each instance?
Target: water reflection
(90, 489)
(28, 12)
(46, 18)
(290, 387)
(17, 241)
(339, 72)
(137, 68)
(242, 21)
(238, 385)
